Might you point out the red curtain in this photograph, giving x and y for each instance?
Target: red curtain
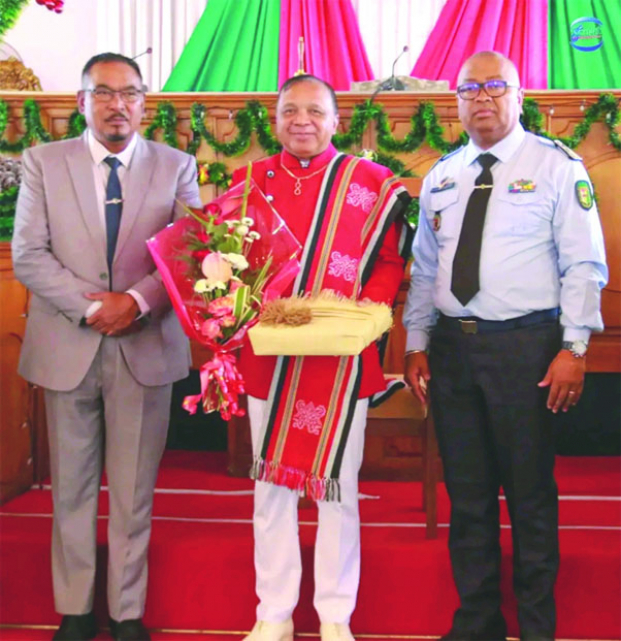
(333, 47)
(516, 28)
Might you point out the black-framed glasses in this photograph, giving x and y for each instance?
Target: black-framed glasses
(102, 94)
(493, 88)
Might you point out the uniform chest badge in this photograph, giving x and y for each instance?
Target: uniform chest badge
(436, 223)
(584, 194)
(447, 183)
(522, 187)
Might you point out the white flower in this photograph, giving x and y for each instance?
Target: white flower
(237, 261)
(242, 230)
(201, 286)
(216, 268)
(217, 285)
(254, 235)
(247, 221)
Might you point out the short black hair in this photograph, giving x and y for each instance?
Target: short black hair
(307, 77)
(110, 57)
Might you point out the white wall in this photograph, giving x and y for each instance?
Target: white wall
(56, 46)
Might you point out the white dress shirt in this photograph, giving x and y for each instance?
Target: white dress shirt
(541, 249)
(101, 172)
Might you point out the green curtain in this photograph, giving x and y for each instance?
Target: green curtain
(234, 47)
(570, 68)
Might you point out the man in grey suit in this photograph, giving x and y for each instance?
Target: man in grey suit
(101, 337)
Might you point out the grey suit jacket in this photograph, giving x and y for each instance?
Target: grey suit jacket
(59, 254)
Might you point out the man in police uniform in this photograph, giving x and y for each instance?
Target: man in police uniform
(505, 291)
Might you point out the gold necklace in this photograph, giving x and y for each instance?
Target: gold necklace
(297, 189)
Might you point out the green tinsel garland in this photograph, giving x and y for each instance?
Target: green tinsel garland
(9, 12)
(165, 119)
(32, 121)
(217, 174)
(425, 127)
(76, 125)
(413, 212)
(254, 118)
(8, 199)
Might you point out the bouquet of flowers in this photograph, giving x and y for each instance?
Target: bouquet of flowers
(219, 266)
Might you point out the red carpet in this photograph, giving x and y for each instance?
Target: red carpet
(201, 575)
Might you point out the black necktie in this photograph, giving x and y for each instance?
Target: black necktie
(465, 277)
(114, 207)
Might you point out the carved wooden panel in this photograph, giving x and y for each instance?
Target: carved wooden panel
(16, 463)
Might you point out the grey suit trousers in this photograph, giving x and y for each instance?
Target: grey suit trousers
(108, 419)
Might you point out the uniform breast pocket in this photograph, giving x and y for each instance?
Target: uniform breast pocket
(522, 214)
(442, 214)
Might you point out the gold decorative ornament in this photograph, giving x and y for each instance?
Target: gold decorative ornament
(300, 71)
(15, 76)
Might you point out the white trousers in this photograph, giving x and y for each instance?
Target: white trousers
(277, 557)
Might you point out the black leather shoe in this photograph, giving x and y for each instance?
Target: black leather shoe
(129, 630)
(76, 627)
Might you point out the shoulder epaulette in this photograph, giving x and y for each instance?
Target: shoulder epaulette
(561, 146)
(446, 156)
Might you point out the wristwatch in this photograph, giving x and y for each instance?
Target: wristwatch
(577, 348)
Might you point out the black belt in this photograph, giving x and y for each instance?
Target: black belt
(474, 325)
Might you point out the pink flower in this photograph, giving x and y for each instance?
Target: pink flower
(216, 269)
(199, 254)
(211, 329)
(203, 237)
(212, 209)
(235, 285)
(228, 321)
(222, 306)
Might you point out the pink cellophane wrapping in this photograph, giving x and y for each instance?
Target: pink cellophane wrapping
(221, 382)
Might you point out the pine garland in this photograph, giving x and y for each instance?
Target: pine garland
(9, 12)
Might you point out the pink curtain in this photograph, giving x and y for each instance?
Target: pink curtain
(516, 28)
(333, 47)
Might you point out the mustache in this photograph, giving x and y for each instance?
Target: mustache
(116, 115)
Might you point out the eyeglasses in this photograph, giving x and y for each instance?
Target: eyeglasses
(493, 88)
(106, 95)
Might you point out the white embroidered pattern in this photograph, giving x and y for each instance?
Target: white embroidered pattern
(344, 266)
(308, 417)
(361, 197)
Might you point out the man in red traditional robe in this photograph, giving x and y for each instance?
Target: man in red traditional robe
(307, 415)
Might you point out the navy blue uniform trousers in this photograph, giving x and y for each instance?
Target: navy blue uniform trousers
(494, 431)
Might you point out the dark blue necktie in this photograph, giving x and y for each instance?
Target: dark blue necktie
(114, 207)
(465, 276)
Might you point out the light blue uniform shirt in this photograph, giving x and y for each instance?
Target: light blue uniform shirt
(541, 248)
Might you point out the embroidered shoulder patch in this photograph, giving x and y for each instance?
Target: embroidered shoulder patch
(584, 194)
(570, 153)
